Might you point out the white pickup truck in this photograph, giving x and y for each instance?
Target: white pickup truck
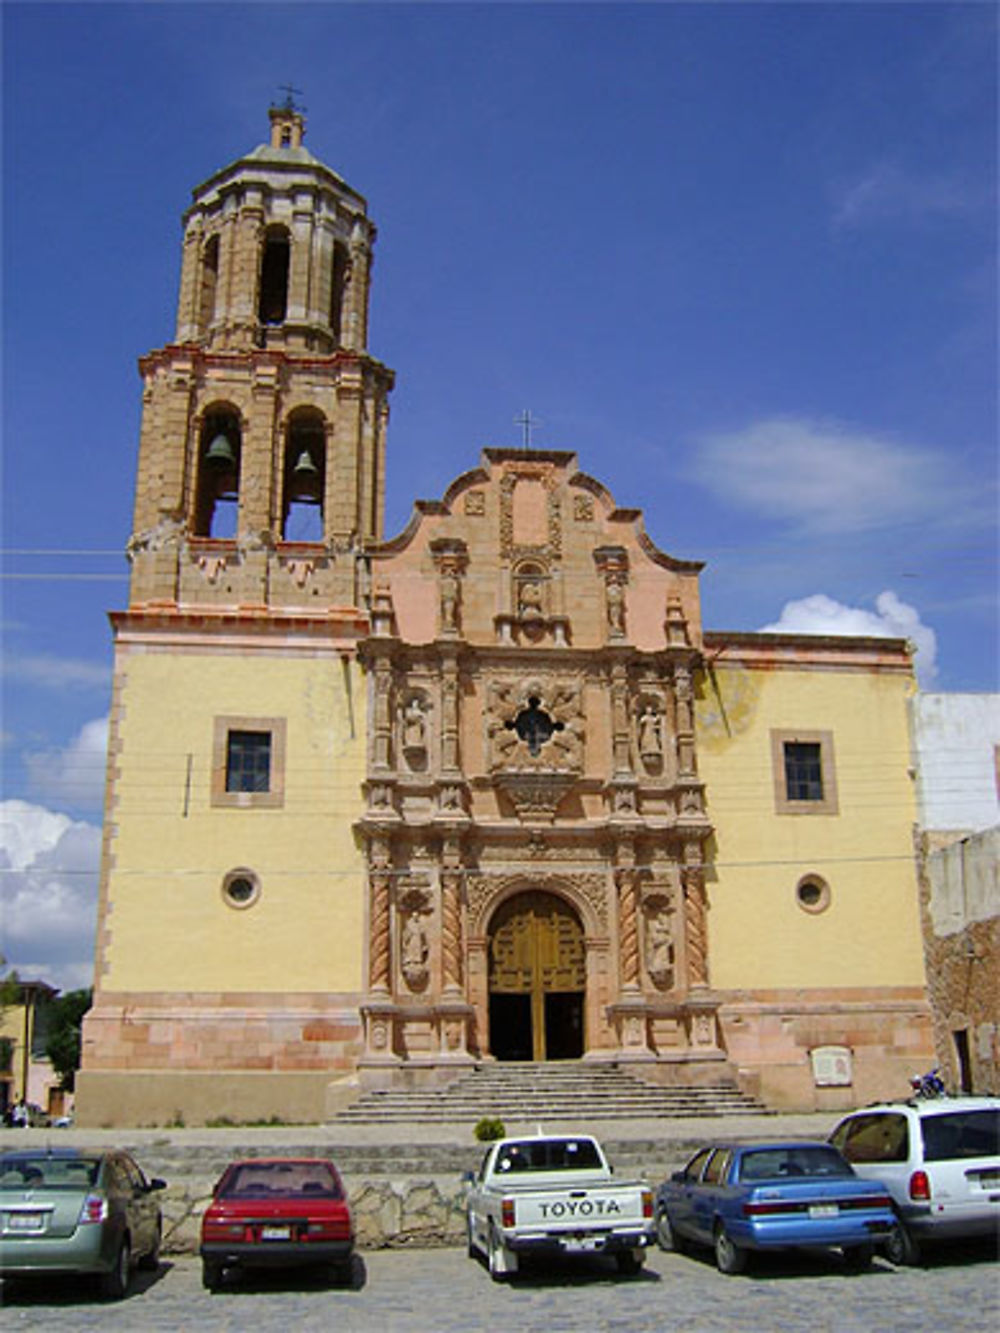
(555, 1194)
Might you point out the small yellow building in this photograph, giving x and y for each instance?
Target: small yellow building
(379, 810)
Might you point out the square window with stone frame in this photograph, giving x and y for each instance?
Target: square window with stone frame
(803, 771)
(248, 762)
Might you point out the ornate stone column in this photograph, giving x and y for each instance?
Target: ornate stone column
(628, 927)
(379, 887)
(695, 923)
(451, 927)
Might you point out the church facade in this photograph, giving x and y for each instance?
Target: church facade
(378, 810)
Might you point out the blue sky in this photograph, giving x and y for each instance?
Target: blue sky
(741, 258)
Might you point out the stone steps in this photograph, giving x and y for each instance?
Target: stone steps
(564, 1091)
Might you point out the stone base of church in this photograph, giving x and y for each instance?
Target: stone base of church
(141, 1098)
(827, 1049)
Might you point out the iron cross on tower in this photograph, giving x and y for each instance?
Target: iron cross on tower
(290, 96)
(526, 421)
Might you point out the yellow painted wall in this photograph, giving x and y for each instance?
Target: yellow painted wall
(170, 929)
(760, 937)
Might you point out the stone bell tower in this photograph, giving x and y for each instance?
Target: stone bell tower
(262, 455)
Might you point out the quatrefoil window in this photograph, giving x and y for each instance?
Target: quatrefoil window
(533, 725)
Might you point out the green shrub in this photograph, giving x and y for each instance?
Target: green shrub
(489, 1128)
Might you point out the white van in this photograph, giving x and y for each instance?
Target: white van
(940, 1161)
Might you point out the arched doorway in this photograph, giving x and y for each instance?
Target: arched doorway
(537, 979)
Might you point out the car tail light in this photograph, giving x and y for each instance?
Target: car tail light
(507, 1213)
(647, 1203)
(95, 1209)
(920, 1186)
(222, 1230)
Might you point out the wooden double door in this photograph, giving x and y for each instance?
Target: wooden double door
(537, 979)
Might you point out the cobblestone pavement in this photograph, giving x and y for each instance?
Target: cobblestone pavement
(441, 1291)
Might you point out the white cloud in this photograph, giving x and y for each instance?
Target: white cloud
(891, 618)
(74, 774)
(825, 476)
(885, 192)
(57, 673)
(48, 893)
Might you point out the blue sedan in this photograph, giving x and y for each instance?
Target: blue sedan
(768, 1196)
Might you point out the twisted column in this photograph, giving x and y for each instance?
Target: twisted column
(696, 926)
(628, 929)
(379, 880)
(451, 929)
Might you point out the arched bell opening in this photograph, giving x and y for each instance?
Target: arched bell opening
(274, 265)
(338, 289)
(537, 965)
(209, 284)
(218, 487)
(303, 481)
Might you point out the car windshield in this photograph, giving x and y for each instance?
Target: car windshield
(549, 1155)
(782, 1163)
(257, 1180)
(956, 1134)
(40, 1171)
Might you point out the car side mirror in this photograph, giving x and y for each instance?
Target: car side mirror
(468, 1177)
(156, 1184)
(678, 1177)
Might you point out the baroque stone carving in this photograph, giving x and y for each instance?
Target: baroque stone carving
(659, 941)
(542, 472)
(414, 950)
(484, 891)
(534, 731)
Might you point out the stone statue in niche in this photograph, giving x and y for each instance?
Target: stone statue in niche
(414, 952)
(615, 594)
(450, 597)
(530, 601)
(660, 948)
(414, 727)
(650, 736)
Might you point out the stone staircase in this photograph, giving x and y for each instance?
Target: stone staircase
(567, 1090)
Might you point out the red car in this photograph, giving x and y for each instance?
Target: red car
(276, 1212)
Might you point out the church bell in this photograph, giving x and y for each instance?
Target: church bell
(305, 479)
(220, 454)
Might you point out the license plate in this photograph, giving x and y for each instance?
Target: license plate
(823, 1210)
(24, 1222)
(989, 1180)
(276, 1233)
(574, 1246)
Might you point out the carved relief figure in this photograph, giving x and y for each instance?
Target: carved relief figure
(650, 735)
(616, 607)
(413, 952)
(414, 725)
(450, 596)
(530, 601)
(660, 948)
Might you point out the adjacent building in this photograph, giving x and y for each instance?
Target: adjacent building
(379, 809)
(957, 759)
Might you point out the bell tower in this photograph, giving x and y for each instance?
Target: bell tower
(262, 453)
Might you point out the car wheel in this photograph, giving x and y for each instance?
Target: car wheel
(729, 1257)
(114, 1284)
(211, 1275)
(666, 1237)
(501, 1262)
(630, 1262)
(858, 1258)
(150, 1261)
(900, 1247)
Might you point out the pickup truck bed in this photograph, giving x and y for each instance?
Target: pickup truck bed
(555, 1195)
